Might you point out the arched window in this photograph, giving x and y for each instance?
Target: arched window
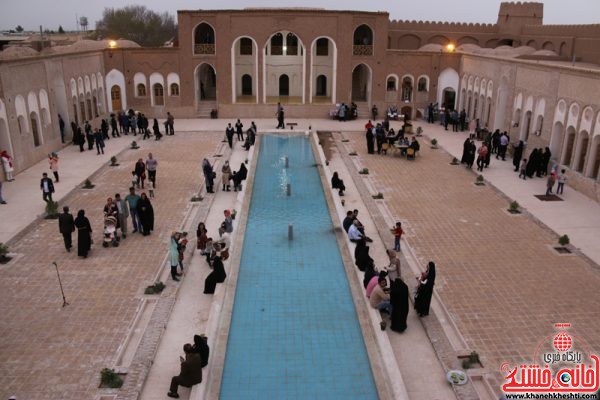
(291, 45)
(321, 85)
(284, 85)
(391, 84)
(277, 44)
(22, 125)
(363, 41)
(407, 89)
(204, 39)
(35, 129)
(159, 99)
(322, 47)
(363, 36)
(174, 89)
(422, 85)
(245, 46)
(141, 90)
(246, 85)
(115, 97)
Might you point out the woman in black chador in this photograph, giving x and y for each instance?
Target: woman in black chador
(361, 256)
(518, 154)
(425, 290)
(218, 275)
(543, 170)
(399, 301)
(84, 234)
(532, 163)
(370, 141)
(466, 147)
(146, 214)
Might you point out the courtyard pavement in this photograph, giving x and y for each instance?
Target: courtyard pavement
(497, 275)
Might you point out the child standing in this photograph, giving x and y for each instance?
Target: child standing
(523, 169)
(562, 177)
(134, 180)
(397, 231)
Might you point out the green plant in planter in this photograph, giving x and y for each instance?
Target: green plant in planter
(113, 161)
(419, 131)
(134, 145)
(345, 140)
(454, 161)
(353, 153)
(233, 214)
(564, 240)
(196, 198)
(88, 184)
(378, 196)
(157, 288)
(109, 378)
(479, 180)
(52, 210)
(434, 142)
(514, 206)
(364, 171)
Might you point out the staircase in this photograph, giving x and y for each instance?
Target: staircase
(204, 108)
(364, 111)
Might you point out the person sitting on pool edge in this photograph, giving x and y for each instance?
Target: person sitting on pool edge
(191, 371)
(337, 183)
(361, 227)
(354, 234)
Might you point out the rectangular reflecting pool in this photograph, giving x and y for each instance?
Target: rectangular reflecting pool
(294, 331)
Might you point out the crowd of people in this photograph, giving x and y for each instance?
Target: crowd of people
(239, 131)
(116, 213)
(385, 137)
(389, 298)
(122, 123)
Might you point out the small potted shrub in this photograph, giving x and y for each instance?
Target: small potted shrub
(51, 210)
(345, 140)
(514, 208)
(88, 184)
(113, 161)
(434, 143)
(378, 196)
(563, 242)
(364, 171)
(157, 288)
(479, 181)
(419, 131)
(454, 161)
(353, 153)
(196, 198)
(110, 379)
(233, 214)
(134, 145)
(4, 258)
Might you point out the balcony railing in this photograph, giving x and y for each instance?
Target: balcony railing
(363, 50)
(204, 48)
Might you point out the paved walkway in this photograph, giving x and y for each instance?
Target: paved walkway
(578, 216)
(490, 263)
(498, 276)
(49, 352)
(24, 196)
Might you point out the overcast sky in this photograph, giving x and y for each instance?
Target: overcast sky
(52, 13)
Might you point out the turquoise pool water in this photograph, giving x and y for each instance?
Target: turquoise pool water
(294, 331)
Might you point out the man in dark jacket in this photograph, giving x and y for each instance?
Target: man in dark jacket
(47, 188)
(191, 371)
(66, 226)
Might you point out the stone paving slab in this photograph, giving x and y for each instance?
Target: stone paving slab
(49, 352)
(497, 275)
